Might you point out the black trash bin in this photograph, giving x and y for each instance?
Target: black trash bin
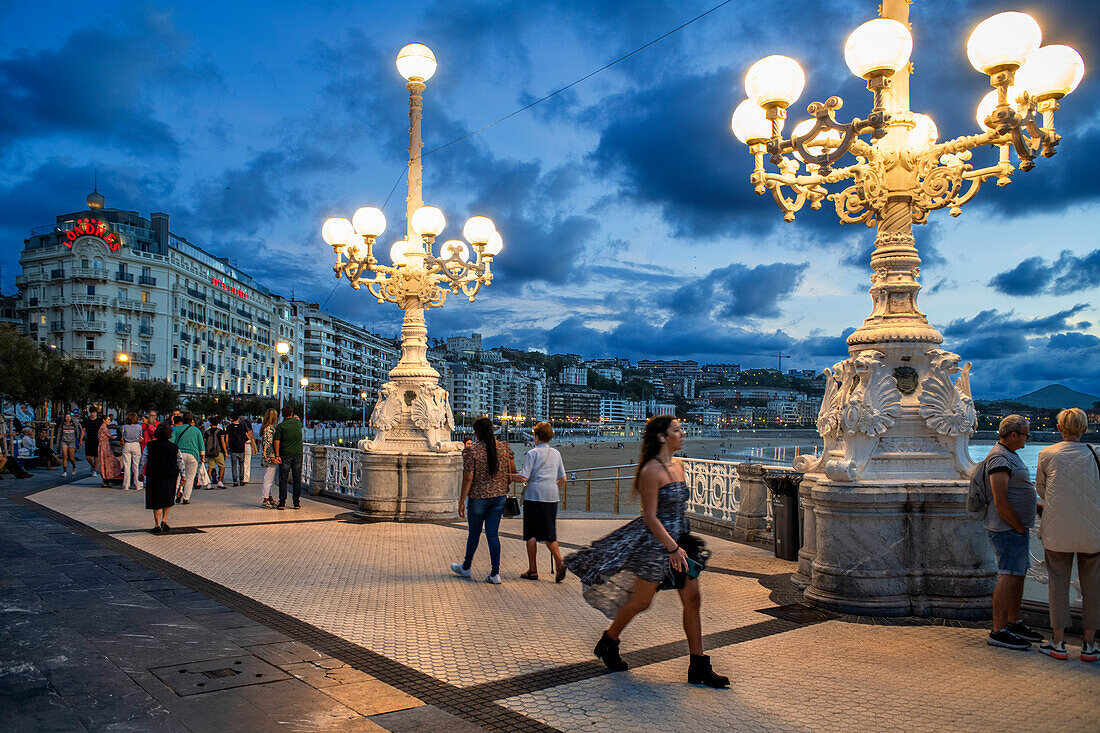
(783, 486)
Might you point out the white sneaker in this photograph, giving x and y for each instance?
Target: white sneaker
(221, 485)
(64, 474)
(457, 569)
(494, 579)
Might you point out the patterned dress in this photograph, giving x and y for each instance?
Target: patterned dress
(108, 466)
(610, 565)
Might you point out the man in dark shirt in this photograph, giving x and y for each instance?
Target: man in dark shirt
(288, 455)
(90, 425)
(216, 448)
(237, 436)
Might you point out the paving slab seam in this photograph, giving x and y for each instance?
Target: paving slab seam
(236, 524)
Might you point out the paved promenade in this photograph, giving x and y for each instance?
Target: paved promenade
(251, 619)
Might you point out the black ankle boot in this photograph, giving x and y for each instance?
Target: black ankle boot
(608, 650)
(700, 673)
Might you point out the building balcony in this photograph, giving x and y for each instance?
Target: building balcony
(126, 304)
(147, 306)
(143, 358)
(32, 302)
(123, 328)
(196, 294)
(145, 331)
(89, 273)
(90, 354)
(147, 280)
(58, 274)
(185, 362)
(100, 300)
(124, 277)
(223, 304)
(57, 326)
(185, 338)
(90, 326)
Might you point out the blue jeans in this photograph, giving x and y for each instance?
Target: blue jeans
(485, 512)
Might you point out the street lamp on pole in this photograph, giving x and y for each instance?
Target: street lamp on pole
(124, 359)
(897, 415)
(363, 396)
(305, 396)
(413, 412)
(281, 350)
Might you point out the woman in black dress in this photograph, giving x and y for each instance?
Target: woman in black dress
(622, 571)
(161, 468)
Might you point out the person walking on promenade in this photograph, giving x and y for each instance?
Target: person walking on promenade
(288, 455)
(188, 439)
(237, 436)
(106, 462)
(544, 474)
(1007, 522)
(1068, 481)
(267, 456)
(622, 571)
(487, 466)
(90, 425)
(161, 468)
(68, 441)
(46, 457)
(216, 448)
(132, 432)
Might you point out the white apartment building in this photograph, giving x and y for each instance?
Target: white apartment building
(340, 359)
(614, 373)
(101, 282)
(478, 390)
(574, 375)
(618, 410)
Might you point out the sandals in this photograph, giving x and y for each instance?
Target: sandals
(530, 576)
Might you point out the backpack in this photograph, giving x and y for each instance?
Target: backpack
(980, 494)
(213, 444)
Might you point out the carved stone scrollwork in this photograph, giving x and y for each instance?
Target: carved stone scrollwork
(386, 415)
(828, 422)
(431, 412)
(865, 198)
(947, 407)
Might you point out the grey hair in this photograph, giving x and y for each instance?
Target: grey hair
(1013, 424)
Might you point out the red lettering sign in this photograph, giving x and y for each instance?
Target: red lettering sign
(228, 288)
(92, 228)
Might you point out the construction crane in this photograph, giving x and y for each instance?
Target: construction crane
(778, 354)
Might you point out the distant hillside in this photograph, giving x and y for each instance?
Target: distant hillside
(1056, 397)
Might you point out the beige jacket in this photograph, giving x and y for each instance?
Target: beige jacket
(1069, 485)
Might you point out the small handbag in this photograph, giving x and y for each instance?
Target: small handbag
(511, 507)
(696, 550)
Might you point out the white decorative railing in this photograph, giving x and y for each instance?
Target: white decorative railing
(343, 470)
(715, 488)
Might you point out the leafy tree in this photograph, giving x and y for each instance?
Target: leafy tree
(110, 387)
(324, 409)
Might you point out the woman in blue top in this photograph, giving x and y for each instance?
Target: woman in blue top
(622, 571)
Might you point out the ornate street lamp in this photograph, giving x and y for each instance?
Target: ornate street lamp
(412, 416)
(889, 488)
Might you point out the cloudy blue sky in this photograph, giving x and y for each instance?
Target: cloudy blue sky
(630, 225)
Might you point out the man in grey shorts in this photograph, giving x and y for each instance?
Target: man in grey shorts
(1007, 523)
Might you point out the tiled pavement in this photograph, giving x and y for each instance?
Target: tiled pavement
(361, 627)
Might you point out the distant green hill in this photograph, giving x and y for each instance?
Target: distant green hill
(1057, 397)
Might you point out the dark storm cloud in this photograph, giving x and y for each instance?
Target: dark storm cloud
(740, 291)
(1034, 276)
(996, 323)
(100, 85)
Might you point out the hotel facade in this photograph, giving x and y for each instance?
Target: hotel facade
(102, 283)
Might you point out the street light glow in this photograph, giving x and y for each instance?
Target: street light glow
(283, 348)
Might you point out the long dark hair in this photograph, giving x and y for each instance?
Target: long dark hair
(486, 433)
(655, 427)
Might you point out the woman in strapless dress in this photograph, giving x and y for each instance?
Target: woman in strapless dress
(621, 572)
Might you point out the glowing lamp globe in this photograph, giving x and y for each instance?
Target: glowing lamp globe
(775, 81)
(750, 123)
(369, 221)
(337, 231)
(455, 246)
(1051, 72)
(428, 221)
(416, 62)
(1003, 42)
(879, 47)
(825, 140)
(924, 133)
(494, 245)
(399, 253)
(282, 348)
(989, 103)
(478, 229)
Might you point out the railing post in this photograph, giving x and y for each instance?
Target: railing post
(564, 494)
(617, 489)
(319, 470)
(588, 492)
(751, 518)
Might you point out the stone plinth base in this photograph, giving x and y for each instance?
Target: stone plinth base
(897, 550)
(415, 487)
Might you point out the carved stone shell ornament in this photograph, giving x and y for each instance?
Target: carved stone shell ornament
(387, 413)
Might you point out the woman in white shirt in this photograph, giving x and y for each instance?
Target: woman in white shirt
(544, 474)
(1068, 482)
